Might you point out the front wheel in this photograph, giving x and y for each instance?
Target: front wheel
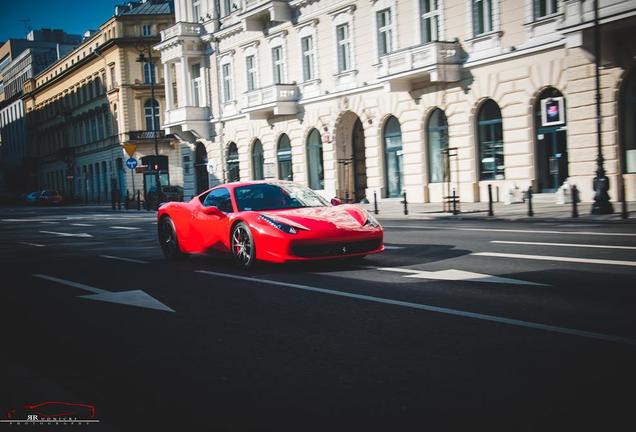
(168, 240)
(242, 244)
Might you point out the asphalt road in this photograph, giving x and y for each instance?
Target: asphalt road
(456, 326)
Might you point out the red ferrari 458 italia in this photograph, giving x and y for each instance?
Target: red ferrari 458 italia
(273, 221)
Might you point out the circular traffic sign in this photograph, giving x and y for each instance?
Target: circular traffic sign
(131, 163)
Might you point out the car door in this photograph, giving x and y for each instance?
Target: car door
(211, 229)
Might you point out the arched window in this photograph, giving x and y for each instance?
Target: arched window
(628, 122)
(284, 157)
(257, 161)
(437, 139)
(393, 157)
(314, 160)
(232, 163)
(490, 137)
(151, 113)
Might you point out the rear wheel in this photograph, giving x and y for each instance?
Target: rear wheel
(168, 239)
(242, 244)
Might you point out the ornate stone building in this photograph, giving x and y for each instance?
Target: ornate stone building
(85, 108)
(385, 96)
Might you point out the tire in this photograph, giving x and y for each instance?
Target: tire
(168, 239)
(242, 244)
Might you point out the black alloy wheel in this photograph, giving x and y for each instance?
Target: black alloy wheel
(242, 244)
(168, 239)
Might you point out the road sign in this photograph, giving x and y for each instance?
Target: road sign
(131, 163)
(130, 149)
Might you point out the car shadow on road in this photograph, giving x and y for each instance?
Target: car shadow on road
(405, 256)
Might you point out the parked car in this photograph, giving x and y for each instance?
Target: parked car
(51, 197)
(168, 193)
(30, 197)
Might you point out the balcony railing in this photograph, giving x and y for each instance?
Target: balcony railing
(186, 114)
(274, 95)
(182, 29)
(431, 57)
(146, 135)
(255, 10)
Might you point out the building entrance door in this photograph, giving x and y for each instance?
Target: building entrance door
(552, 158)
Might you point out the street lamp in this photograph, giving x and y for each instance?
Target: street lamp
(602, 204)
(142, 59)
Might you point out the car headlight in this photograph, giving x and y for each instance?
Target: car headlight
(372, 221)
(276, 224)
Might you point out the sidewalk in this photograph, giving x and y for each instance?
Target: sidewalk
(543, 211)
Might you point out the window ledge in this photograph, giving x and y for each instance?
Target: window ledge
(544, 19)
(346, 73)
(485, 36)
(310, 82)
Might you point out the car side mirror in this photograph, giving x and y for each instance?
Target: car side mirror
(336, 201)
(213, 211)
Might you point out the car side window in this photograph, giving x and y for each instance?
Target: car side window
(219, 198)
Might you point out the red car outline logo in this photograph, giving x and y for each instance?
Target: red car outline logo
(39, 409)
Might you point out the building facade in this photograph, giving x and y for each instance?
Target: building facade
(93, 109)
(360, 97)
(22, 60)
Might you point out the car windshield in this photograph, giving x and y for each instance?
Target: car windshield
(265, 196)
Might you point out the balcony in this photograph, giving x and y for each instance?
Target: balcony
(181, 29)
(182, 39)
(278, 99)
(257, 12)
(188, 118)
(146, 135)
(433, 62)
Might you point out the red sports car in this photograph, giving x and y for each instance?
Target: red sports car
(275, 221)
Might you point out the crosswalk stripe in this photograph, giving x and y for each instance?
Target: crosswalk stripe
(556, 258)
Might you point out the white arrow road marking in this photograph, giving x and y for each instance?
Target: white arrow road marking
(132, 298)
(557, 258)
(32, 244)
(124, 228)
(437, 309)
(564, 244)
(61, 234)
(457, 275)
(125, 259)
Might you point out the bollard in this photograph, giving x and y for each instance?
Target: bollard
(138, 200)
(454, 198)
(575, 198)
(375, 203)
(530, 212)
(623, 201)
(406, 208)
(490, 212)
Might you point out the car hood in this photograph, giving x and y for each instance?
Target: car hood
(321, 218)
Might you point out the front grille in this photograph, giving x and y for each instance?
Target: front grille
(309, 250)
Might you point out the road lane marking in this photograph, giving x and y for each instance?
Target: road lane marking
(437, 309)
(137, 297)
(557, 258)
(32, 244)
(124, 228)
(457, 275)
(390, 247)
(621, 234)
(564, 244)
(49, 223)
(82, 224)
(61, 234)
(125, 259)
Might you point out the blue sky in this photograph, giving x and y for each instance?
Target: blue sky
(73, 16)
